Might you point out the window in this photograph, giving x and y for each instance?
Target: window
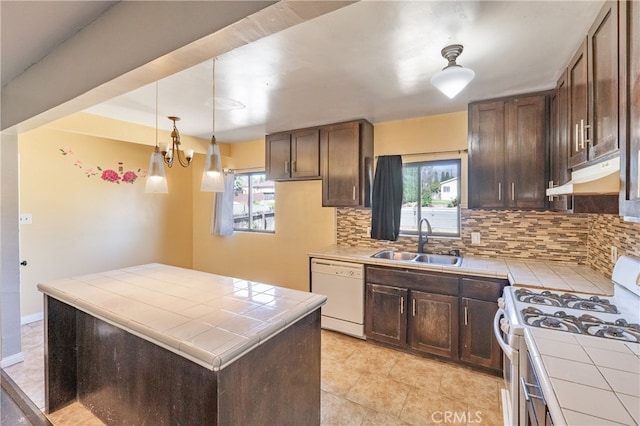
(254, 203)
(431, 191)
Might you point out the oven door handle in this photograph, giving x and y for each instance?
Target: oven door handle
(508, 351)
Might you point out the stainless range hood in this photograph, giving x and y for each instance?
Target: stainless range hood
(600, 178)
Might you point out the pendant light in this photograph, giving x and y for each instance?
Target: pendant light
(156, 178)
(213, 176)
(452, 78)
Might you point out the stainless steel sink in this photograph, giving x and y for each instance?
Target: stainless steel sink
(432, 259)
(439, 259)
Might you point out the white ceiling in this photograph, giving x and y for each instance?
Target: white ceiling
(371, 59)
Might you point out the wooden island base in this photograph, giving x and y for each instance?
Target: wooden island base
(124, 379)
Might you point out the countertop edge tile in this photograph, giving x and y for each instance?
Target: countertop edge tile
(154, 335)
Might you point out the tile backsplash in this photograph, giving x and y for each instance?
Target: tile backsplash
(541, 235)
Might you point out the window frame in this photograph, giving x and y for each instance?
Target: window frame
(249, 176)
(420, 164)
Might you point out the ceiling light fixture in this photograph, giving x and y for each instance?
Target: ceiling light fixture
(212, 176)
(156, 178)
(172, 150)
(452, 78)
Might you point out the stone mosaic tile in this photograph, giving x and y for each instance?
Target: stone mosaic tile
(584, 239)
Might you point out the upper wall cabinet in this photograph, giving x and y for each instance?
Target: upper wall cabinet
(593, 91)
(630, 108)
(507, 153)
(293, 155)
(346, 156)
(559, 141)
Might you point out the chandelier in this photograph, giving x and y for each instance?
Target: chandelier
(172, 151)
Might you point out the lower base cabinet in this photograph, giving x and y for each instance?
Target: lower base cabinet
(478, 345)
(434, 324)
(386, 321)
(447, 315)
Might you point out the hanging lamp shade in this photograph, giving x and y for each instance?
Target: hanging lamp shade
(156, 178)
(212, 176)
(452, 78)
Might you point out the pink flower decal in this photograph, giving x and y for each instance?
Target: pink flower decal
(115, 175)
(129, 177)
(110, 176)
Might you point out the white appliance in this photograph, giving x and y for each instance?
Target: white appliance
(343, 284)
(616, 317)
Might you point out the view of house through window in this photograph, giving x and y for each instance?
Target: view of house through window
(431, 191)
(254, 203)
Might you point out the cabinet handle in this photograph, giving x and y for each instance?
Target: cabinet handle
(582, 134)
(286, 166)
(638, 168)
(550, 187)
(413, 302)
(401, 305)
(513, 191)
(354, 193)
(586, 138)
(466, 315)
(499, 191)
(576, 137)
(295, 168)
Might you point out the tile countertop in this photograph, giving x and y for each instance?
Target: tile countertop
(210, 319)
(526, 273)
(586, 380)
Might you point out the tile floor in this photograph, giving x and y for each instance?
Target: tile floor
(362, 384)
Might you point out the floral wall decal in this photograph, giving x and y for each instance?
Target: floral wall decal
(115, 175)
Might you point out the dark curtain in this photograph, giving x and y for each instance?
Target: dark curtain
(386, 203)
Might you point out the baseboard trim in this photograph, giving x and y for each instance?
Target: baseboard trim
(28, 319)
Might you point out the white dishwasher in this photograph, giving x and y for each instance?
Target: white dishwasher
(343, 284)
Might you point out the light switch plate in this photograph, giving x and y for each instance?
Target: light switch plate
(475, 238)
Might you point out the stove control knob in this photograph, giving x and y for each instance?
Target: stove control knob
(501, 303)
(504, 325)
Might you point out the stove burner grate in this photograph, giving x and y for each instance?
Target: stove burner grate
(587, 324)
(566, 300)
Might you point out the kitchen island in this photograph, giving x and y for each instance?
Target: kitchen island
(156, 344)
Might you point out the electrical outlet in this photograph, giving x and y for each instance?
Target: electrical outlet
(25, 219)
(475, 238)
(614, 254)
(368, 231)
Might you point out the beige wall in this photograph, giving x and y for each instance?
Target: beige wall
(84, 224)
(436, 137)
(302, 224)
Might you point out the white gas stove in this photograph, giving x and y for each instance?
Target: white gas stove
(616, 317)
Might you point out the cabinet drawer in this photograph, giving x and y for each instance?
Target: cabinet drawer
(482, 289)
(414, 280)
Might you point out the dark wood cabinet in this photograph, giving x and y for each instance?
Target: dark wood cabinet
(293, 155)
(446, 315)
(578, 72)
(486, 155)
(559, 142)
(434, 324)
(347, 164)
(630, 109)
(508, 153)
(386, 319)
(478, 306)
(478, 345)
(602, 41)
(593, 91)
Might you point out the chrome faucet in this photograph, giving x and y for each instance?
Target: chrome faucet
(423, 239)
